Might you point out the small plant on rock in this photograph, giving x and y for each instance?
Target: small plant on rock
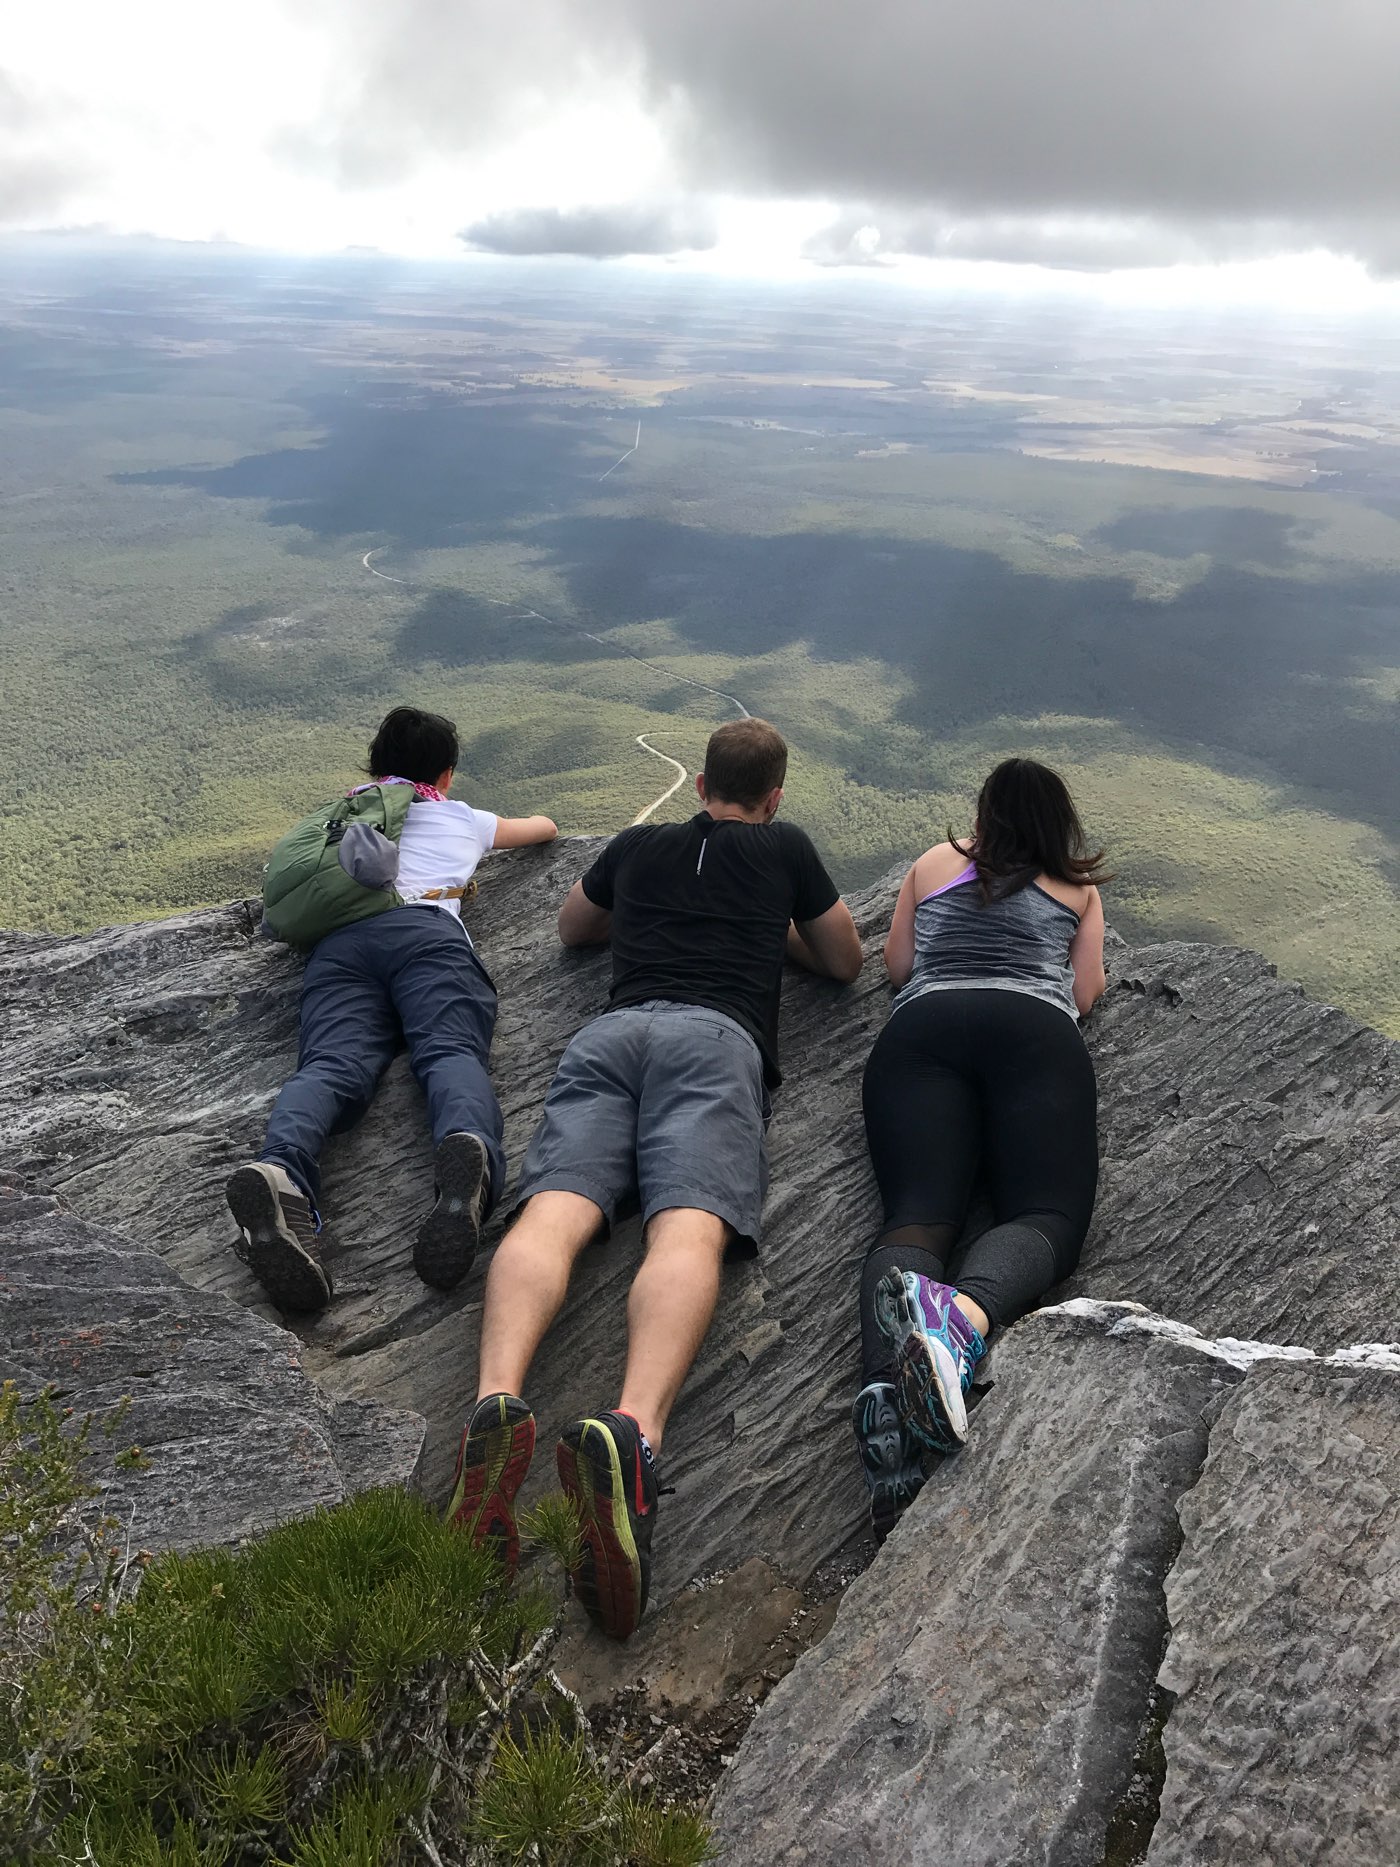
(354, 1689)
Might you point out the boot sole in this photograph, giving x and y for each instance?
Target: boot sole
(295, 1281)
(896, 1481)
(447, 1240)
(928, 1388)
(608, 1579)
(492, 1461)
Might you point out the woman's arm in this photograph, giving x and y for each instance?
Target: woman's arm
(899, 942)
(517, 832)
(1086, 956)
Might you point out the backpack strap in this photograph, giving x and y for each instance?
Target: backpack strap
(465, 891)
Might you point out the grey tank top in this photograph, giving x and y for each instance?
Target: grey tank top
(1019, 944)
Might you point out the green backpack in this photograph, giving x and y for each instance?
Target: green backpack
(336, 866)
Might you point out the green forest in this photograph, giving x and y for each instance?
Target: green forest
(195, 652)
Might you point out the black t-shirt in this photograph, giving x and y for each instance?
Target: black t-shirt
(700, 915)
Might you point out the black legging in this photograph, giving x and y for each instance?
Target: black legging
(985, 1079)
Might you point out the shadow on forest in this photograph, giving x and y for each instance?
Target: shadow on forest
(426, 477)
(1239, 534)
(1253, 665)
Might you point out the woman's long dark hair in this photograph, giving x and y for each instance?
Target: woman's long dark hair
(1027, 826)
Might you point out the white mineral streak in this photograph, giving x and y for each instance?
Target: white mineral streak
(1368, 1355)
(1133, 1319)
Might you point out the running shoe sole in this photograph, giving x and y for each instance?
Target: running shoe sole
(447, 1239)
(608, 1579)
(927, 1383)
(898, 1479)
(295, 1280)
(492, 1460)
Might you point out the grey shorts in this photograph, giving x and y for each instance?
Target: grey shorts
(663, 1101)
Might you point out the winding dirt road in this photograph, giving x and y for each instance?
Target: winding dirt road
(682, 775)
(627, 456)
(615, 648)
(383, 576)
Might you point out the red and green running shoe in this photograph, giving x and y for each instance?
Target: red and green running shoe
(492, 1461)
(606, 1467)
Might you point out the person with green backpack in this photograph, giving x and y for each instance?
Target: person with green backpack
(373, 885)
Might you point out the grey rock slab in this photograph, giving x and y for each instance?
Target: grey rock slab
(238, 1437)
(719, 1640)
(1283, 1746)
(1250, 1141)
(981, 1694)
(1247, 1136)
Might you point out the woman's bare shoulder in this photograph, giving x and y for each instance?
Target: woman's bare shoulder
(1076, 896)
(937, 866)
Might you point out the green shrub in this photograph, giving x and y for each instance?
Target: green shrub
(354, 1689)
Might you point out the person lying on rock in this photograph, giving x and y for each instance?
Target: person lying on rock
(997, 950)
(664, 1096)
(408, 974)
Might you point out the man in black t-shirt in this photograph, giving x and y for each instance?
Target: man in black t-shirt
(665, 1095)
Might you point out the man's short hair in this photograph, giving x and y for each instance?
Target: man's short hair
(744, 761)
(413, 744)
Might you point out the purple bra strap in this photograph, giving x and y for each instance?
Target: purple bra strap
(969, 874)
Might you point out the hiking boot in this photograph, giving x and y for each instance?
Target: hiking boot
(889, 1456)
(492, 1461)
(448, 1237)
(278, 1236)
(606, 1467)
(936, 1349)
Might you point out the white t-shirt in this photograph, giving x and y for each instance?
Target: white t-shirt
(439, 847)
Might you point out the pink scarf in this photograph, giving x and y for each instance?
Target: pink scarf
(425, 793)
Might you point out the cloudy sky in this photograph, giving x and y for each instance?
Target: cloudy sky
(1250, 144)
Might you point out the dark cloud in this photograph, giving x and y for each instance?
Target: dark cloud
(596, 232)
(1219, 107)
(1088, 133)
(874, 236)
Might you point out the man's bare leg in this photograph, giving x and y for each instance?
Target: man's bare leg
(527, 1284)
(669, 1309)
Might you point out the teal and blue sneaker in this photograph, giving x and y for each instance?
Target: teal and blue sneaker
(889, 1457)
(936, 1350)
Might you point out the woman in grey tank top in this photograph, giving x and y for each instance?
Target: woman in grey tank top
(996, 949)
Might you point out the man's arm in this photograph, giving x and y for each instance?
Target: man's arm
(581, 921)
(518, 832)
(828, 945)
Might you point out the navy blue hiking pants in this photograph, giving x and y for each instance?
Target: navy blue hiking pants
(408, 975)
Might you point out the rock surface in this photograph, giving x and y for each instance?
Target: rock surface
(1285, 1612)
(1251, 1154)
(237, 1435)
(980, 1697)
